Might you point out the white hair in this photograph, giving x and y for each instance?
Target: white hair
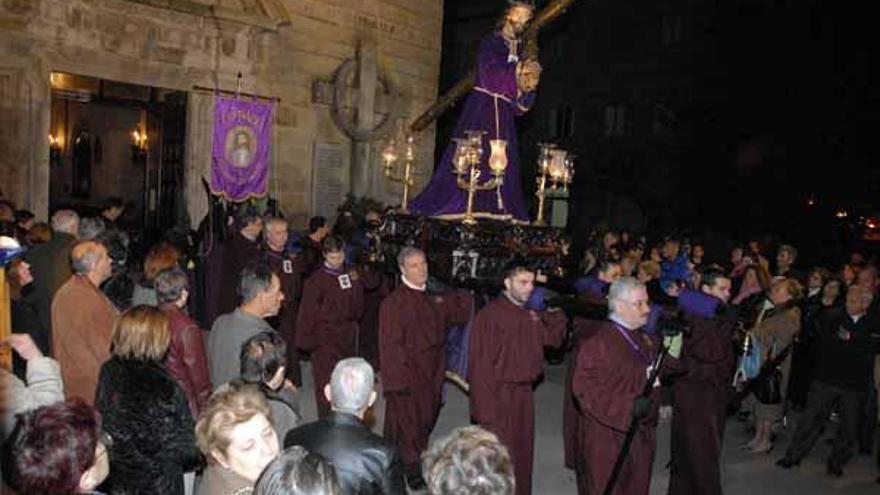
(66, 221)
(351, 385)
(620, 288)
(407, 252)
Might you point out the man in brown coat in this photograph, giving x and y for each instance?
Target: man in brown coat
(82, 320)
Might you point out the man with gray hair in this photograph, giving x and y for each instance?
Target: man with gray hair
(83, 320)
(611, 367)
(365, 462)
(412, 331)
(259, 290)
(50, 262)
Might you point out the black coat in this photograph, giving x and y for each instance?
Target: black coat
(365, 463)
(26, 319)
(146, 413)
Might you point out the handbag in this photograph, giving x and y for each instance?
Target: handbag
(750, 362)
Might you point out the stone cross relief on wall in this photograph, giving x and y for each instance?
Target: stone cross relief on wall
(365, 105)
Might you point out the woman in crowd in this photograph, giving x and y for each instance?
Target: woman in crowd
(263, 360)
(236, 436)
(186, 360)
(144, 409)
(752, 294)
(776, 334)
(848, 275)
(815, 282)
(56, 450)
(298, 472)
(24, 314)
(161, 256)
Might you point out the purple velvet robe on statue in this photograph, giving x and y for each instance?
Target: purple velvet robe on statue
(495, 83)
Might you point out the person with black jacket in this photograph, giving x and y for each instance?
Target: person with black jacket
(144, 410)
(848, 342)
(365, 463)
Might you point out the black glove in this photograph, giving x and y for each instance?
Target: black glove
(641, 407)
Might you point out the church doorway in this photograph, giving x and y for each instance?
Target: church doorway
(111, 139)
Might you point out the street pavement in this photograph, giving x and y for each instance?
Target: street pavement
(743, 473)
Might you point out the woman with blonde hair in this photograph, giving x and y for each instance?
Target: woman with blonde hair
(776, 333)
(236, 436)
(144, 409)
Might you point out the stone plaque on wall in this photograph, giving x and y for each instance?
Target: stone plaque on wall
(328, 178)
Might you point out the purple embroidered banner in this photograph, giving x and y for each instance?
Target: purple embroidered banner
(242, 137)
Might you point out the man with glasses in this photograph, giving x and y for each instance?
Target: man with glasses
(611, 367)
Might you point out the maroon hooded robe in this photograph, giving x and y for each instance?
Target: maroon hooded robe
(225, 266)
(609, 374)
(506, 360)
(327, 324)
(289, 269)
(412, 330)
(570, 433)
(700, 397)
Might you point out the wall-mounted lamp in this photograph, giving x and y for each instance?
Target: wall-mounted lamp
(55, 143)
(138, 147)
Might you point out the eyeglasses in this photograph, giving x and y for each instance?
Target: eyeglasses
(640, 303)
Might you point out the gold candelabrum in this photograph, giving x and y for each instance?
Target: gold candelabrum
(390, 155)
(556, 166)
(466, 166)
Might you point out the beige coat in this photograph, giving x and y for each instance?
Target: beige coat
(43, 387)
(777, 331)
(82, 323)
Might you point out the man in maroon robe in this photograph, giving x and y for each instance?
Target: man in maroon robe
(611, 368)
(289, 270)
(701, 392)
(227, 262)
(412, 329)
(328, 317)
(311, 245)
(506, 358)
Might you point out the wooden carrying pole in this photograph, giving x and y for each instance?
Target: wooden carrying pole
(5, 321)
(548, 14)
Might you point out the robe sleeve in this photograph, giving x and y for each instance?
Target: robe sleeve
(309, 317)
(707, 354)
(524, 102)
(494, 72)
(592, 385)
(481, 372)
(393, 358)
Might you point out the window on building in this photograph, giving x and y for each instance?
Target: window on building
(665, 121)
(615, 120)
(670, 29)
(560, 122)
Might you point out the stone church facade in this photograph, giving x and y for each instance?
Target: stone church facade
(287, 49)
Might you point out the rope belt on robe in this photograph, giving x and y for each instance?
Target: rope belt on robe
(495, 98)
